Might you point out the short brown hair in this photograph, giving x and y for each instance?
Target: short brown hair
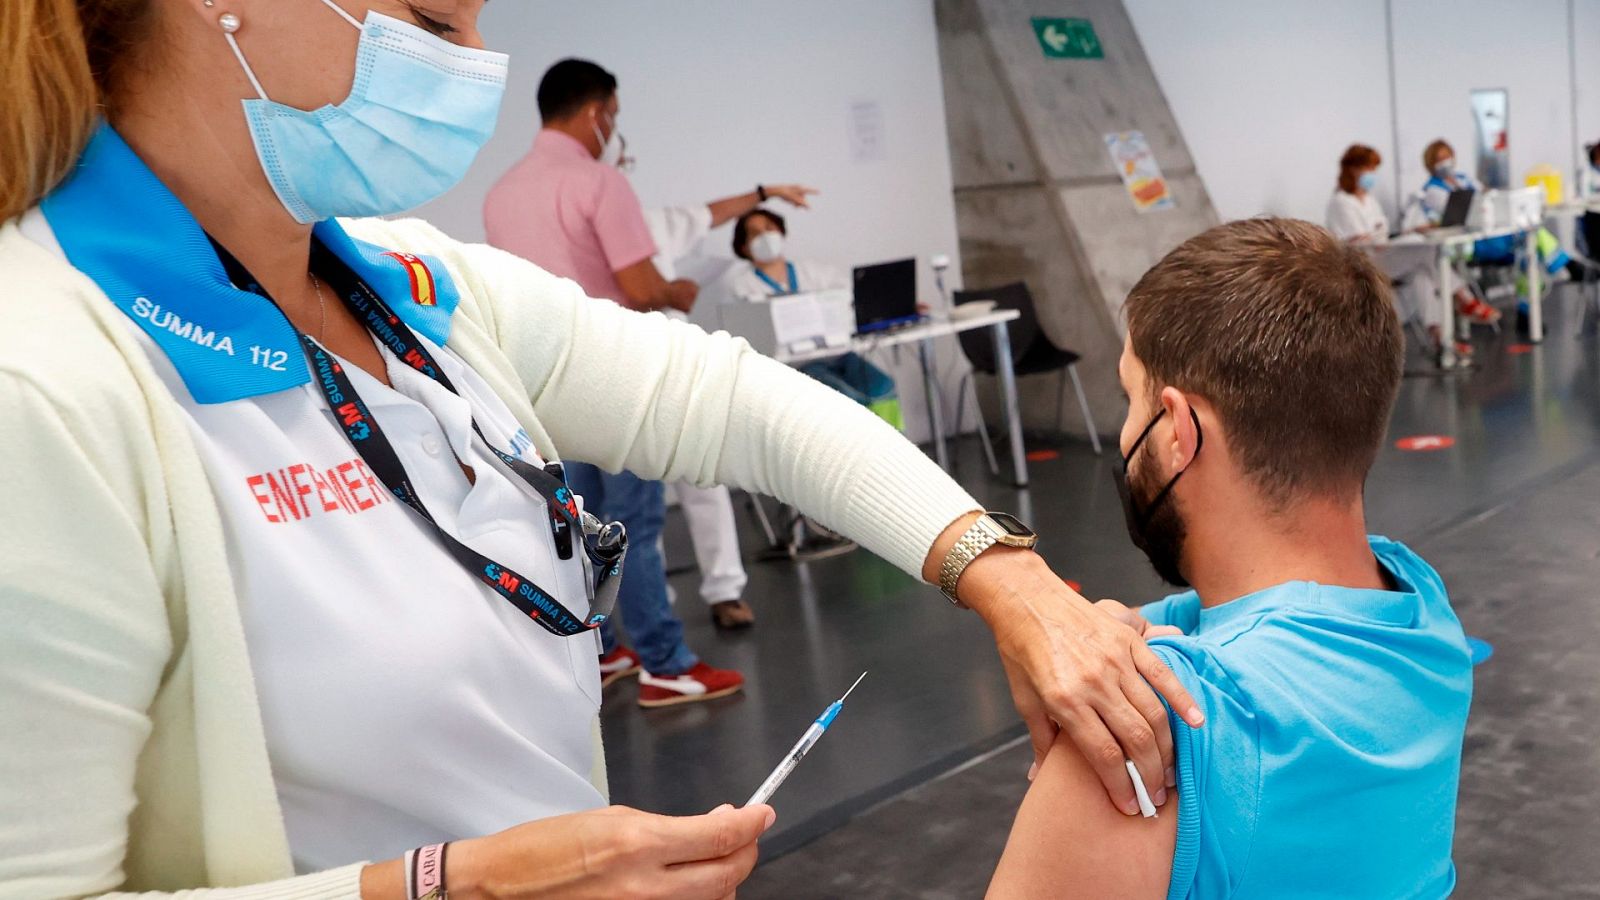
(1434, 152)
(1291, 334)
(1357, 158)
(741, 229)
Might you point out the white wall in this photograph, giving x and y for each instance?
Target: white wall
(1587, 16)
(1269, 92)
(719, 95)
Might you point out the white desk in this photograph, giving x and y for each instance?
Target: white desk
(1575, 207)
(923, 334)
(1446, 239)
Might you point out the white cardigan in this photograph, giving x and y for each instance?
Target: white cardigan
(132, 756)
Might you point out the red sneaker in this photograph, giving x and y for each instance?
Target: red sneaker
(617, 665)
(699, 683)
(1478, 311)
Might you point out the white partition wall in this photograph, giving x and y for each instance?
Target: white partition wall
(718, 95)
(1268, 92)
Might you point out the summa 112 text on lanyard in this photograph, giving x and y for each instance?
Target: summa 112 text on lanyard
(605, 544)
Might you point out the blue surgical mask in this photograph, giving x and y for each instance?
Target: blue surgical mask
(420, 110)
(1368, 180)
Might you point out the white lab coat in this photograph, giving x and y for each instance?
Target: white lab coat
(1361, 220)
(742, 282)
(709, 511)
(1351, 217)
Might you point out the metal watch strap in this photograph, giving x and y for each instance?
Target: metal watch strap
(977, 539)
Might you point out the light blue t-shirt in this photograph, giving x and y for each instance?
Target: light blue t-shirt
(1331, 752)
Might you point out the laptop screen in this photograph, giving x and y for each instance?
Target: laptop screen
(886, 294)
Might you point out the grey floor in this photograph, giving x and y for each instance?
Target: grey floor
(912, 791)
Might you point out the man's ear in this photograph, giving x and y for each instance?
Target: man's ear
(1184, 444)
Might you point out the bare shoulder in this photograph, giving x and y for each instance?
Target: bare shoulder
(1069, 841)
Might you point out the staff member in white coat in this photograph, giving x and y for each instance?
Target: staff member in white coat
(759, 239)
(287, 585)
(709, 510)
(1354, 215)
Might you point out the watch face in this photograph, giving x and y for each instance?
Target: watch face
(1011, 524)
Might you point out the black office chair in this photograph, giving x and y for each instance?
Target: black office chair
(1032, 353)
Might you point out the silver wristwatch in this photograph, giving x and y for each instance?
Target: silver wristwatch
(990, 529)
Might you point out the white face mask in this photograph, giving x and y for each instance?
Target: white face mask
(610, 148)
(767, 246)
(1444, 167)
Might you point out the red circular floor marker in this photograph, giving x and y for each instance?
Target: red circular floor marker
(1043, 455)
(1424, 442)
(1515, 349)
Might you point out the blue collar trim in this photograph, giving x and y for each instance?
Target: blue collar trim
(119, 225)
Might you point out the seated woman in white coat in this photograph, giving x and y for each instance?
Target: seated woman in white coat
(1354, 215)
(766, 271)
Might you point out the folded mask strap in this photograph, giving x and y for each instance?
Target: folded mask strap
(250, 73)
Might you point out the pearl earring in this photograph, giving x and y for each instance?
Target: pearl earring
(229, 22)
(210, 3)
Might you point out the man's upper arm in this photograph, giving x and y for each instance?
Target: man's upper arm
(1069, 841)
(619, 223)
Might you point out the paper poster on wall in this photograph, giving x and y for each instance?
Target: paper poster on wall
(1130, 153)
(866, 131)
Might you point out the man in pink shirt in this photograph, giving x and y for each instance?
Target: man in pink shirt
(567, 208)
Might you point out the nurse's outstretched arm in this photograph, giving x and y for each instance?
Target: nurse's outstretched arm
(665, 400)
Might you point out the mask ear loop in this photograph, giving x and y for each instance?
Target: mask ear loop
(340, 10)
(1199, 441)
(230, 24)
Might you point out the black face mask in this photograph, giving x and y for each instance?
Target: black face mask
(1157, 529)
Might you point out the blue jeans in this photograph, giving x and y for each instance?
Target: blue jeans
(642, 600)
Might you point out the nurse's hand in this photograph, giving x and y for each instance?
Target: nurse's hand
(614, 852)
(1132, 619)
(794, 194)
(681, 294)
(1073, 669)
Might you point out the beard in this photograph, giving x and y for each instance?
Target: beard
(1162, 531)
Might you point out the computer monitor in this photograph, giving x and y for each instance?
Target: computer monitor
(1457, 208)
(886, 295)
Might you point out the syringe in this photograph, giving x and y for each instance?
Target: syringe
(801, 748)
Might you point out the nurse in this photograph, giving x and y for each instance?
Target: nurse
(291, 582)
(760, 240)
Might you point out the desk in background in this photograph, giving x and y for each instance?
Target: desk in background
(923, 335)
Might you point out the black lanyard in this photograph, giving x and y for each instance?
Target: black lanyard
(605, 546)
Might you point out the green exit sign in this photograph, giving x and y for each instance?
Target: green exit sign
(1067, 38)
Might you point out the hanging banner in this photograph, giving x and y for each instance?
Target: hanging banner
(1130, 153)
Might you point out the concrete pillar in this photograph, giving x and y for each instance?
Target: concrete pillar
(1038, 198)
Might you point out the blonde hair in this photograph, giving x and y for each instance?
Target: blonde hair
(57, 59)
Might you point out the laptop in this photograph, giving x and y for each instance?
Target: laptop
(1457, 208)
(886, 295)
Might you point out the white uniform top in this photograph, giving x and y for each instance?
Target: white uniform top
(1351, 217)
(744, 284)
(404, 702)
(676, 229)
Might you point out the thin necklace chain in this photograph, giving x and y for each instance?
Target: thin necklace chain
(322, 304)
